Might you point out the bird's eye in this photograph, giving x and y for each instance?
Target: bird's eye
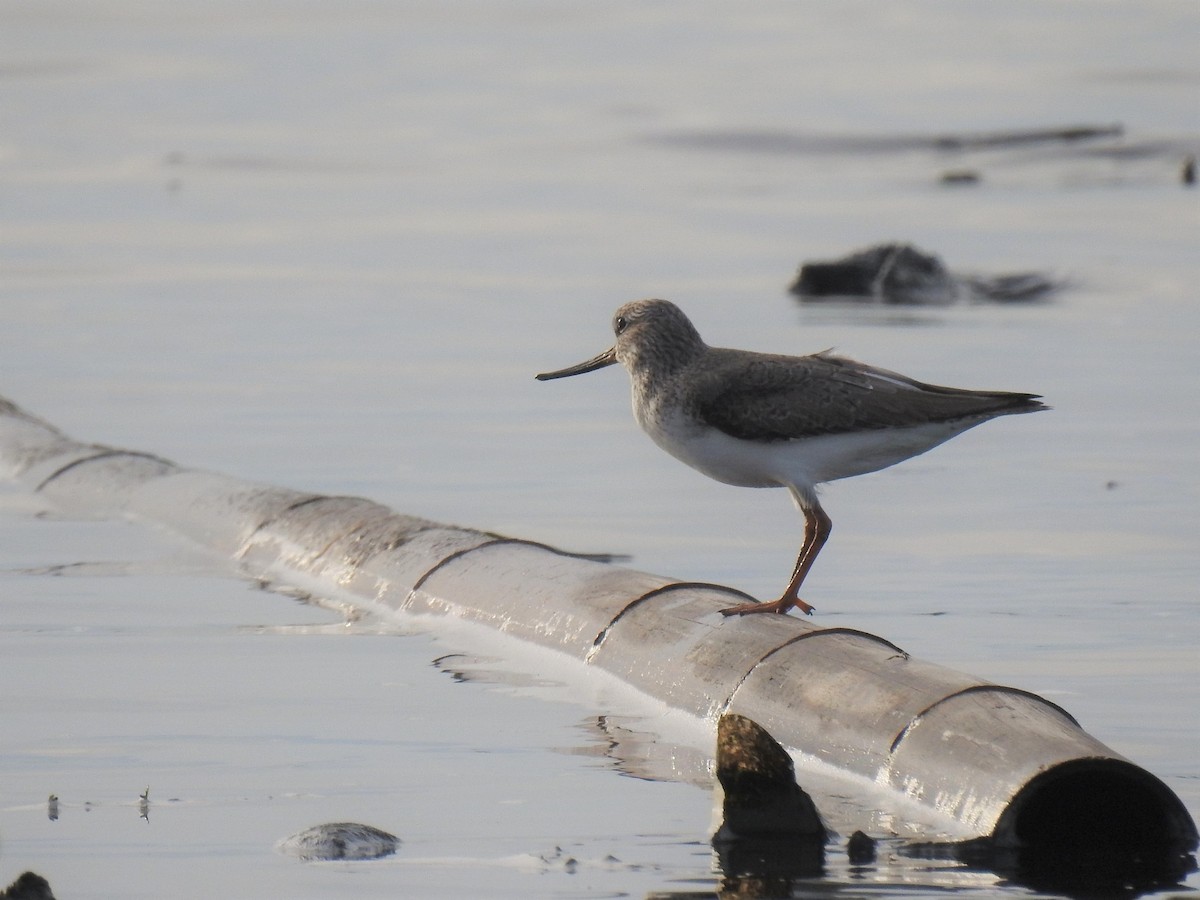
(620, 323)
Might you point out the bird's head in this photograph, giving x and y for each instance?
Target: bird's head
(653, 337)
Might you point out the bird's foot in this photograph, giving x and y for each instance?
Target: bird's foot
(780, 607)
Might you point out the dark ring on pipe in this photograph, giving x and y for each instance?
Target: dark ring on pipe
(103, 454)
(975, 689)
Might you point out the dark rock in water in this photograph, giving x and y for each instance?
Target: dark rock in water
(770, 827)
(891, 273)
(759, 781)
(902, 274)
(860, 849)
(28, 886)
(340, 840)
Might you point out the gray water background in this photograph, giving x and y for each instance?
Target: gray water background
(327, 246)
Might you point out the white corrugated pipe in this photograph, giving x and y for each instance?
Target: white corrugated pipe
(1012, 768)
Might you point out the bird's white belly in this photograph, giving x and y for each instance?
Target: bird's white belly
(803, 462)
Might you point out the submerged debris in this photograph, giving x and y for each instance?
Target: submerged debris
(340, 840)
(801, 142)
(961, 177)
(902, 274)
(1022, 287)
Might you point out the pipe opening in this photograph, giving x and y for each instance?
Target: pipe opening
(1095, 802)
(1097, 821)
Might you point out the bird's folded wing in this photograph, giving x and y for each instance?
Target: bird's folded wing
(764, 397)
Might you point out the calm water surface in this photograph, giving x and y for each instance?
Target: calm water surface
(327, 246)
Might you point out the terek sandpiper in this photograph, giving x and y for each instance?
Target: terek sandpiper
(765, 420)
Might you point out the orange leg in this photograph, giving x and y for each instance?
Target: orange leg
(817, 526)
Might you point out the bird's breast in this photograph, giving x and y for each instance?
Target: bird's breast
(704, 448)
